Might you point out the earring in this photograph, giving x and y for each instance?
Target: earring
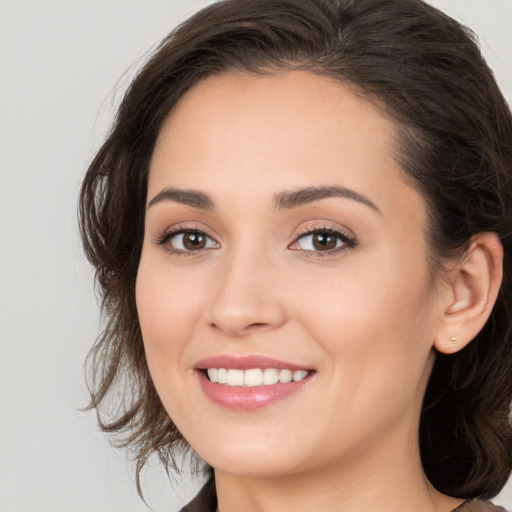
(453, 339)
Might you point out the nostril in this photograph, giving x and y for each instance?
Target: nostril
(240, 330)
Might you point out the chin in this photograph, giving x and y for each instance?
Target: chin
(257, 460)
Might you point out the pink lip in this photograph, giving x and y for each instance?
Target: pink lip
(242, 398)
(246, 363)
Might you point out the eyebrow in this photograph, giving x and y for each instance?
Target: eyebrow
(300, 197)
(192, 198)
(283, 200)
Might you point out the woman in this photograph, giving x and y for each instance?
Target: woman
(301, 224)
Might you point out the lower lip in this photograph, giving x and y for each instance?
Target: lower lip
(248, 399)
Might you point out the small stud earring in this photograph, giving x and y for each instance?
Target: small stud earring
(453, 339)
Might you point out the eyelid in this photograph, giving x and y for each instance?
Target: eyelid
(183, 228)
(348, 240)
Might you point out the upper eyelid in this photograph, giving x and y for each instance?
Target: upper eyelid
(184, 227)
(164, 240)
(349, 240)
(177, 229)
(304, 231)
(328, 228)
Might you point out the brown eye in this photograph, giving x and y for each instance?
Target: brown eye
(324, 241)
(193, 241)
(184, 241)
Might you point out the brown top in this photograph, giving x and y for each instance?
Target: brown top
(206, 501)
(478, 506)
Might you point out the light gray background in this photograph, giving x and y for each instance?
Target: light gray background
(60, 62)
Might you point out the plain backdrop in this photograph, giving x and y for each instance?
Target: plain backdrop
(63, 67)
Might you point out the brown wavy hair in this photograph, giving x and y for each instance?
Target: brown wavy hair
(425, 71)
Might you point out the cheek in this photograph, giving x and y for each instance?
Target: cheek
(373, 319)
(167, 302)
(375, 331)
(168, 311)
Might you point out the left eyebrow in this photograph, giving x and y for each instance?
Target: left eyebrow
(302, 196)
(192, 198)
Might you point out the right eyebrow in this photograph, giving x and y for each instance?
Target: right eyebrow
(192, 198)
(307, 195)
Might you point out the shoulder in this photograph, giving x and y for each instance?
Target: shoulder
(478, 506)
(205, 501)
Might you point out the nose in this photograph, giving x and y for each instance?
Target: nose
(246, 297)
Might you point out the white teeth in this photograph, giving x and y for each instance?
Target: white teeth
(222, 376)
(285, 376)
(235, 378)
(270, 376)
(254, 376)
(213, 374)
(299, 375)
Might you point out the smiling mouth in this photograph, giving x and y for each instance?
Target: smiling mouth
(250, 383)
(254, 377)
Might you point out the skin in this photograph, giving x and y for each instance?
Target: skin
(365, 317)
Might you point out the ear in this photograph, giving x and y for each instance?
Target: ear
(469, 293)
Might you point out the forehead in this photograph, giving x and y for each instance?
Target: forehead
(250, 133)
(292, 105)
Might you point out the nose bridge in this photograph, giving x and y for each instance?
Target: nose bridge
(245, 298)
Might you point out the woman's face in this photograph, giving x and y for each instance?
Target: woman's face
(282, 243)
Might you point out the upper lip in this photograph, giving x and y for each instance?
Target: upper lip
(246, 363)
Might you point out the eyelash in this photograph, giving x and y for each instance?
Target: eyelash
(347, 241)
(167, 236)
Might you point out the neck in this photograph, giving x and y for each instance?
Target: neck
(389, 480)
